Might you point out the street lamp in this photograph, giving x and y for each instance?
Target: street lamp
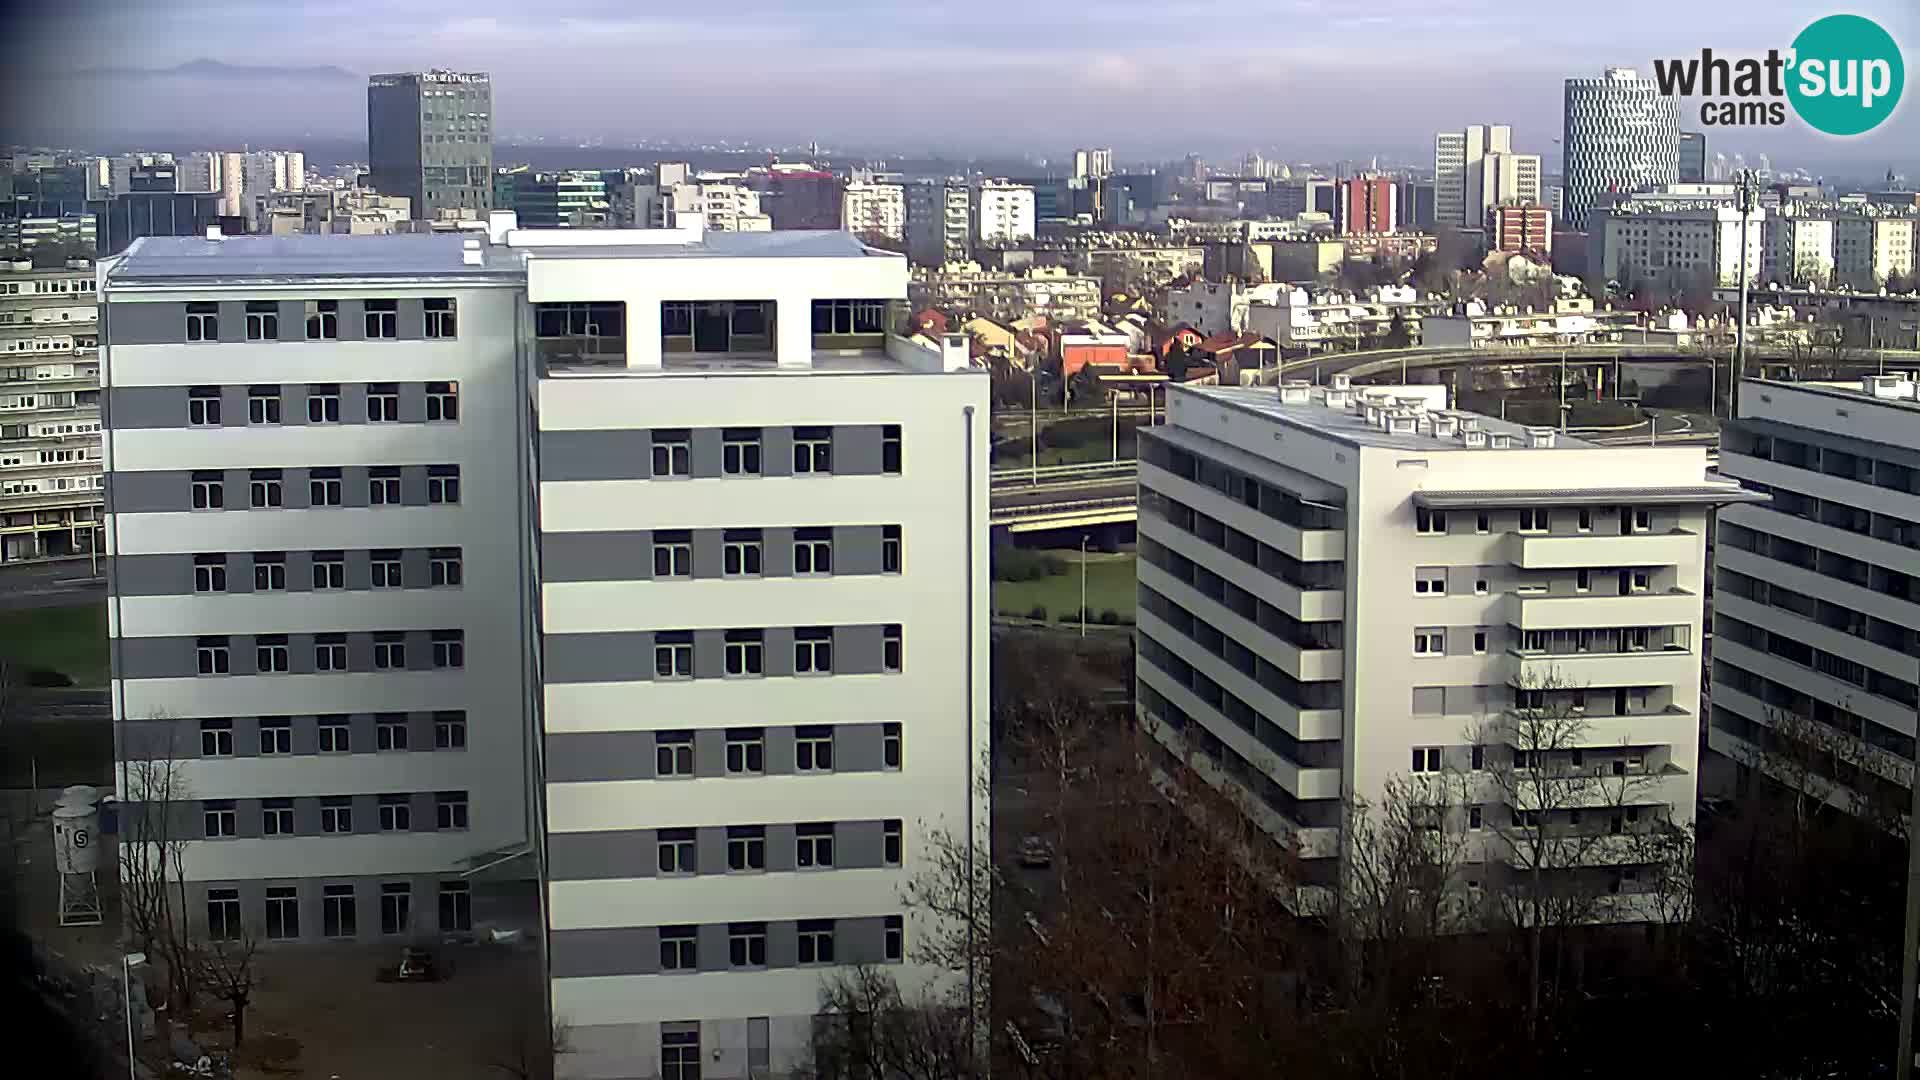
(1083, 584)
(127, 964)
(1033, 404)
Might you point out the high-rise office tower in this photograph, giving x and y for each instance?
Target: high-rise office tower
(430, 138)
(1693, 157)
(1095, 164)
(1621, 133)
(1476, 169)
(711, 665)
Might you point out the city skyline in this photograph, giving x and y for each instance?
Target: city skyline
(1164, 83)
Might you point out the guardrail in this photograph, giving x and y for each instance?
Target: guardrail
(1016, 474)
(1071, 506)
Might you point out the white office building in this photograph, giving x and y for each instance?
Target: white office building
(1476, 169)
(1816, 601)
(648, 562)
(875, 209)
(50, 471)
(1003, 213)
(1621, 133)
(1680, 242)
(1344, 585)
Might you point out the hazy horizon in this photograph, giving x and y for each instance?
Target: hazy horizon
(1296, 79)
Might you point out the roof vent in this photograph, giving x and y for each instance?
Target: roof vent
(1540, 438)
(470, 254)
(1474, 438)
(1337, 399)
(1889, 386)
(1400, 422)
(214, 233)
(1499, 440)
(1444, 426)
(1295, 392)
(1342, 381)
(1415, 402)
(1469, 423)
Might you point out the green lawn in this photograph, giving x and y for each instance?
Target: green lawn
(72, 640)
(1110, 584)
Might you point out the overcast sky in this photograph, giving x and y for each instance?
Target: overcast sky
(1149, 77)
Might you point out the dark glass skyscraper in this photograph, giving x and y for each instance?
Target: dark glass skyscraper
(430, 138)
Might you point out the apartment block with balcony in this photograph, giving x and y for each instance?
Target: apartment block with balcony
(50, 470)
(1816, 610)
(1343, 587)
(761, 520)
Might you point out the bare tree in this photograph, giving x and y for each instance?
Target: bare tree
(155, 796)
(1401, 879)
(225, 967)
(869, 1030)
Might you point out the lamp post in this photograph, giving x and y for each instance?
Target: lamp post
(1033, 405)
(1114, 396)
(1083, 584)
(1745, 197)
(127, 964)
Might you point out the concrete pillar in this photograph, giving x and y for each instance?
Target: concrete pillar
(643, 332)
(793, 330)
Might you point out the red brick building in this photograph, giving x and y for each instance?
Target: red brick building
(1520, 227)
(1366, 206)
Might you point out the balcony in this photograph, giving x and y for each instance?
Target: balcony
(1675, 607)
(1673, 666)
(1540, 551)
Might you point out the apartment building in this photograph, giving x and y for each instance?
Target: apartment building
(1678, 241)
(939, 226)
(534, 549)
(1003, 213)
(713, 203)
(875, 209)
(50, 471)
(1342, 586)
(1816, 609)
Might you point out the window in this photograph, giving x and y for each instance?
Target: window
(746, 848)
(450, 730)
(1480, 587)
(209, 573)
(813, 749)
(1429, 642)
(383, 318)
(383, 403)
(1584, 520)
(746, 751)
(813, 846)
(276, 817)
(203, 322)
(325, 487)
(443, 567)
(1482, 522)
(812, 551)
(813, 650)
(1430, 581)
(270, 655)
(383, 485)
(740, 554)
(1429, 522)
(216, 738)
(335, 736)
(812, 450)
(449, 648)
(385, 566)
(211, 655)
(450, 810)
(1473, 817)
(276, 735)
(223, 914)
(336, 814)
(456, 906)
(892, 840)
(676, 853)
(672, 554)
(203, 406)
(329, 570)
(218, 817)
(1642, 521)
(209, 491)
(673, 754)
(678, 948)
(671, 452)
(1530, 699)
(443, 484)
(263, 320)
(390, 731)
(1426, 759)
(673, 654)
(744, 649)
(747, 945)
(1479, 642)
(323, 403)
(680, 1050)
(396, 907)
(740, 451)
(264, 489)
(390, 650)
(891, 648)
(816, 941)
(1479, 757)
(1533, 520)
(443, 402)
(1641, 581)
(323, 320)
(440, 317)
(336, 911)
(396, 813)
(849, 316)
(263, 404)
(1582, 580)
(890, 549)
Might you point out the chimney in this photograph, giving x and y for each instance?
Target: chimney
(955, 352)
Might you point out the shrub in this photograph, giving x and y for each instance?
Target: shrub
(1069, 617)
(44, 677)
(1038, 613)
(1015, 564)
(1109, 617)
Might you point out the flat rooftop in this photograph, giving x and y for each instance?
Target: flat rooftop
(1352, 427)
(1855, 389)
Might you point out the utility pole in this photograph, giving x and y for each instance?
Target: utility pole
(1745, 198)
(1033, 403)
(1563, 390)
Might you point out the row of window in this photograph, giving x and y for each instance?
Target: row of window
(743, 551)
(445, 569)
(746, 751)
(742, 451)
(380, 319)
(676, 853)
(1535, 520)
(1432, 581)
(334, 734)
(744, 656)
(339, 911)
(272, 653)
(394, 813)
(747, 945)
(265, 403)
(1277, 503)
(266, 488)
(1430, 759)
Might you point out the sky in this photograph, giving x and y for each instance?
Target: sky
(1296, 79)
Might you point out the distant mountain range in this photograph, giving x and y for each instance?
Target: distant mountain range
(214, 69)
